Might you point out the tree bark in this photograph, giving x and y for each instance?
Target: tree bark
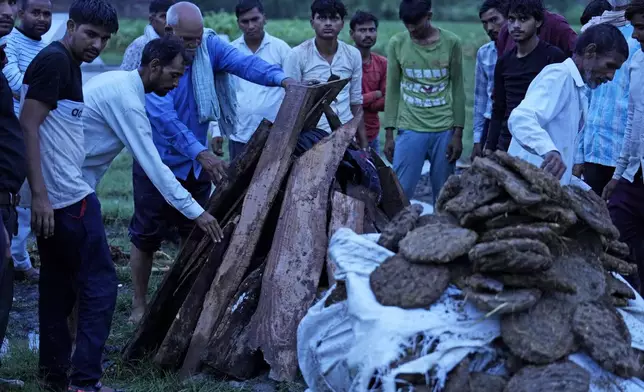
(169, 297)
(273, 165)
(298, 253)
(345, 212)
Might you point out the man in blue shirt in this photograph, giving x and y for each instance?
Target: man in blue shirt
(180, 131)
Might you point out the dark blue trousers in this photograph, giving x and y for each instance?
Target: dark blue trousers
(75, 264)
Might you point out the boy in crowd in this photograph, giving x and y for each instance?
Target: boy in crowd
(492, 15)
(546, 124)
(364, 32)
(256, 102)
(23, 44)
(316, 59)
(12, 174)
(602, 136)
(157, 13)
(517, 68)
(625, 191)
(425, 99)
(554, 30)
(66, 215)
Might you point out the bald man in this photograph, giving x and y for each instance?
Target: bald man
(180, 130)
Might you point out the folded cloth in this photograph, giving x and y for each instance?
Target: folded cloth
(616, 18)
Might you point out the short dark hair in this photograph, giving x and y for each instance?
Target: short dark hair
(94, 12)
(362, 17)
(328, 8)
(499, 5)
(165, 49)
(594, 8)
(534, 8)
(246, 5)
(635, 7)
(607, 39)
(412, 11)
(157, 6)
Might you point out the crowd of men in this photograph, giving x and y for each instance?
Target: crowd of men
(570, 104)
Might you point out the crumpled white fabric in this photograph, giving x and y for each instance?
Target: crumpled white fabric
(341, 347)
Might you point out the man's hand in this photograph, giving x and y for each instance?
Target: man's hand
(213, 165)
(210, 226)
(477, 151)
(7, 243)
(609, 189)
(42, 216)
(578, 170)
(287, 82)
(217, 145)
(455, 147)
(378, 94)
(553, 164)
(390, 146)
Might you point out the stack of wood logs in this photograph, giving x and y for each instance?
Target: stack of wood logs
(233, 307)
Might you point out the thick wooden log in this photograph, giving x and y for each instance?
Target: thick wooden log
(228, 351)
(393, 198)
(169, 296)
(272, 168)
(345, 212)
(174, 346)
(298, 253)
(370, 200)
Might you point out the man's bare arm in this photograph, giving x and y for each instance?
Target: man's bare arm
(32, 116)
(357, 110)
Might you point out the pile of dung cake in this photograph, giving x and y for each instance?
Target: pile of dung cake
(519, 245)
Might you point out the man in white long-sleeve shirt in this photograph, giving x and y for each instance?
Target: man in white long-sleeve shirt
(545, 126)
(114, 117)
(625, 191)
(23, 44)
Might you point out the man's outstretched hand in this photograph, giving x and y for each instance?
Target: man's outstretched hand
(609, 189)
(287, 82)
(217, 144)
(212, 165)
(210, 226)
(553, 164)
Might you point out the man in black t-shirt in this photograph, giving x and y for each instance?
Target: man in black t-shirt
(66, 214)
(516, 69)
(12, 172)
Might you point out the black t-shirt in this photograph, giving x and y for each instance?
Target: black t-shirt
(512, 77)
(54, 78)
(13, 162)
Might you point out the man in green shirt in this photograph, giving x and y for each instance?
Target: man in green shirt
(425, 99)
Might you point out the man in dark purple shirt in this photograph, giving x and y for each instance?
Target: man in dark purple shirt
(555, 31)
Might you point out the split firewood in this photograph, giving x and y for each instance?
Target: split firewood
(345, 212)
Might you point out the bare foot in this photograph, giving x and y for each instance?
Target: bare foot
(137, 314)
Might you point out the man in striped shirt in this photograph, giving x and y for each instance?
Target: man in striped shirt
(492, 15)
(23, 44)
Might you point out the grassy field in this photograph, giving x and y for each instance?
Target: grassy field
(115, 192)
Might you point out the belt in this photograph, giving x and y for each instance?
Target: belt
(9, 199)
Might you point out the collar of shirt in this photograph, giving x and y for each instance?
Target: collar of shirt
(137, 82)
(265, 41)
(574, 71)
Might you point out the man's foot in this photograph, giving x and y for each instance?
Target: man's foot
(31, 275)
(99, 387)
(137, 314)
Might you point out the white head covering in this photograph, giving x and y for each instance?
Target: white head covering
(618, 3)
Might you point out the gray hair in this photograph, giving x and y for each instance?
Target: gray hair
(172, 17)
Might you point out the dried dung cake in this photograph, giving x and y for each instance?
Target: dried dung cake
(547, 281)
(400, 225)
(552, 213)
(603, 333)
(397, 282)
(450, 189)
(542, 231)
(489, 211)
(613, 264)
(508, 301)
(593, 211)
(539, 180)
(506, 220)
(517, 255)
(542, 334)
(338, 294)
(617, 288)
(562, 376)
(476, 190)
(483, 382)
(483, 284)
(438, 243)
(514, 185)
(589, 281)
(617, 249)
(458, 379)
